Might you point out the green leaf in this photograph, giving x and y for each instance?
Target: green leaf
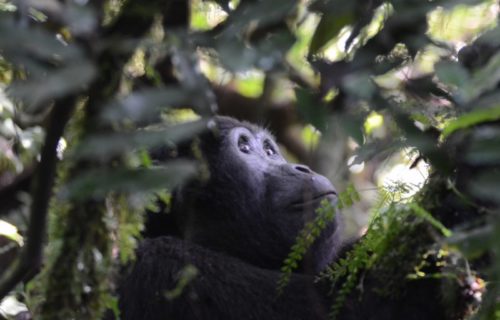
(486, 186)
(380, 148)
(484, 149)
(78, 18)
(266, 54)
(35, 43)
(10, 231)
(360, 85)
(328, 28)
(257, 14)
(472, 118)
(104, 147)
(422, 213)
(311, 109)
(37, 92)
(353, 125)
(97, 183)
(146, 105)
(452, 73)
(482, 81)
(473, 242)
(81, 20)
(272, 49)
(235, 55)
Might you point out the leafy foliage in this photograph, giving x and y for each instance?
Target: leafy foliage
(312, 230)
(123, 74)
(392, 221)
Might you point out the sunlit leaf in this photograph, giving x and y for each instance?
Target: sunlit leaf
(10, 231)
(472, 118)
(250, 86)
(10, 307)
(424, 214)
(328, 28)
(373, 121)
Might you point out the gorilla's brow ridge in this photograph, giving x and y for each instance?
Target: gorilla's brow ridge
(225, 124)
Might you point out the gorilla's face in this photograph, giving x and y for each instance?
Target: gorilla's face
(282, 189)
(255, 203)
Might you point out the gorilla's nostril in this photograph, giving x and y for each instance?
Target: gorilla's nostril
(303, 169)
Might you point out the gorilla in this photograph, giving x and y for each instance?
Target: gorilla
(217, 253)
(235, 226)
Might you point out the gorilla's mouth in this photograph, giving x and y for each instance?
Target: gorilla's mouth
(313, 200)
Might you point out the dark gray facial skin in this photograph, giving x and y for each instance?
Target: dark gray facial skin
(255, 203)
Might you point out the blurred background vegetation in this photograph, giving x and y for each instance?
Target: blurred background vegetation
(399, 97)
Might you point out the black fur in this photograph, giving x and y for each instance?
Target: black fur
(236, 228)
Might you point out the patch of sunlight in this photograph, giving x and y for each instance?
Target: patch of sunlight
(399, 174)
(310, 136)
(373, 121)
(10, 231)
(206, 14)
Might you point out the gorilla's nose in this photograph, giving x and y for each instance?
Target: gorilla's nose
(303, 169)
(318, 184)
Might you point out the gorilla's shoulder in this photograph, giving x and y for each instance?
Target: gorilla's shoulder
(223, 287)
(170, 253)
(160, 249)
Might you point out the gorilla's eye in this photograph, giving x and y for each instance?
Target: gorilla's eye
(244, 144)
(269, 148)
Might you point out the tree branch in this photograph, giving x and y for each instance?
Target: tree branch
(44, 181)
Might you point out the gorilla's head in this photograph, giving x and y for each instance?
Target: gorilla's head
(254, 203)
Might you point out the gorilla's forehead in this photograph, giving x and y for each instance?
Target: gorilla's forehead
(226, 124)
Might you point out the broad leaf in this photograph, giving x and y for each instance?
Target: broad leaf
(37, 92)
(97, 183)
(146, 105)
(104, 147)
(483, 80)
(472, 118)
(452, 73)
(484, 148)
(257, 14)
(311, 109)
(328, 28)
(34, 42)
(486, 186)
(473, 242)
